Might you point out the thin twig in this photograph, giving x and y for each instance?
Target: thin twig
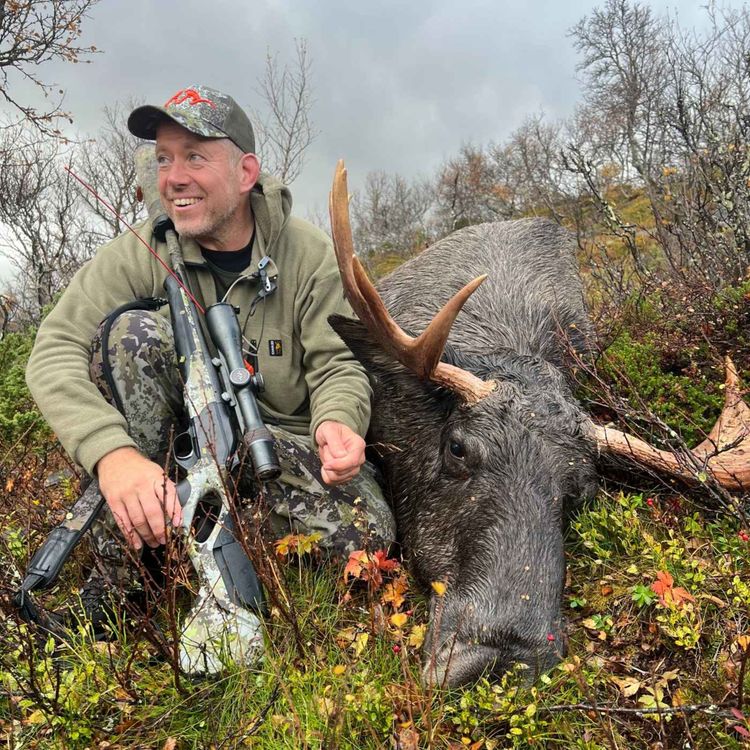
(713, 709)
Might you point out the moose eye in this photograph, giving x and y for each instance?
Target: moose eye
(456, 449)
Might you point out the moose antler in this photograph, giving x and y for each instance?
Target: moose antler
(421, 354)
(725, 453)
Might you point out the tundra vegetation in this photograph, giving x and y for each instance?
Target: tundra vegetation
(652, 174)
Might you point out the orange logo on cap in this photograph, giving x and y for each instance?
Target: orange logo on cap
(188, 95)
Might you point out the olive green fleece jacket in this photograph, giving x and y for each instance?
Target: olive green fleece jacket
(314, 379)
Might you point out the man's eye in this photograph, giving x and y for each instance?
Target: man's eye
(162, 161)
(195, 157)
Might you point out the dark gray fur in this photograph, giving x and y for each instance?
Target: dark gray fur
(490, 524)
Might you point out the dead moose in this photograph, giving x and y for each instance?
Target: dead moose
(487, 450)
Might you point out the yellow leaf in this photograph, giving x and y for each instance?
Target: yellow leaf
(326, 706)
(416, 636)
(743, 642)
(346, 637)
(628, 685)
(360, 642)
(37, 717)
(399, 619)
(439, 588)
(394, 592)
(339, 669)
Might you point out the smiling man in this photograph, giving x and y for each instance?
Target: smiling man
(231, 219)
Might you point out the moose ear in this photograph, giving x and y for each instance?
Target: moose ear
(390, 376)
(363, 346)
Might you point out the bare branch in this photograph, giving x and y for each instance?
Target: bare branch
(33, 32)
(287, 131)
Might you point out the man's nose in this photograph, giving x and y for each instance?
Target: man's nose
(176, 174)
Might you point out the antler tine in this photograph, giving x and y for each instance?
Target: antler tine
(358, 288)
(432, 340)
(725, 453)
(421, 354)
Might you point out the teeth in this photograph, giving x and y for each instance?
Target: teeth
(185, 201)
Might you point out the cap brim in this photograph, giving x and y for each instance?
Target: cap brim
(144, 121)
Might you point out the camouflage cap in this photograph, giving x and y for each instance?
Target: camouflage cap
(203, 111)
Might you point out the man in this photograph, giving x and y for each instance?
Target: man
(228, 216)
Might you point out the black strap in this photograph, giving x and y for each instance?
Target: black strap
(48, 560)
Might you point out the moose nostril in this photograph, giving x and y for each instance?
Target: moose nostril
(460, 662)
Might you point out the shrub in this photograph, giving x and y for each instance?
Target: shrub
(18, 413)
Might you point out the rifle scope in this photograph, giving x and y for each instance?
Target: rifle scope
(258, 440)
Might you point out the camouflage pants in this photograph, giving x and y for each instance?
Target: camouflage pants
(143, 367)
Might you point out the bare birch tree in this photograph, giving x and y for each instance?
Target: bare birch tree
(106, 163)
(40, 213)
(285, 130)
(389, 216)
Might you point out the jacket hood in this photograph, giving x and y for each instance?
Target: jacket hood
(271, 202)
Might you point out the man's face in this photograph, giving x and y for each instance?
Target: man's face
(203, 187)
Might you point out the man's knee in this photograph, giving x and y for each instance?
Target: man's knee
(138, 343)
(134, 365)
(348, 517)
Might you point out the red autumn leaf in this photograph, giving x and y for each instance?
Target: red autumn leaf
(385, 563)
(662, 584)
(668, 595)
(680, 595)
(358, 561)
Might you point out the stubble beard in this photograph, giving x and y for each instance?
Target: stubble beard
(215, 225)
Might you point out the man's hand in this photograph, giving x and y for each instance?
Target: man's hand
(341, 450)
(139, 495)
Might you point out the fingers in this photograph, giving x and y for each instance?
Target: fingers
(140, 520)
(333, 478)
(124, 523)
(335, 446)
(342, 452)
(148, 520)
(171, 510)
(341, 470)
(142, 499)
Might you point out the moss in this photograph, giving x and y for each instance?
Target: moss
(689, 405)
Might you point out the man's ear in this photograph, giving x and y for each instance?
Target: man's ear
(250, 165)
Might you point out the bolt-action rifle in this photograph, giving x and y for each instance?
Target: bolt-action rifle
(225, 429)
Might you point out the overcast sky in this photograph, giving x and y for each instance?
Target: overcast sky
(398, 86)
